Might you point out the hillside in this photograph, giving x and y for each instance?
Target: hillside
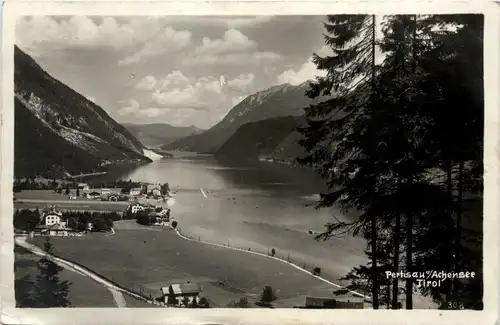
(66, 130)
(289, 149)
(156, 134)
(277, 101)
(260, 139)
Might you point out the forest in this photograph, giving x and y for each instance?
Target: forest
(400, 140)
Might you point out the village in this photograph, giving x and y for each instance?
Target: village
(92, 213)
(148, 204)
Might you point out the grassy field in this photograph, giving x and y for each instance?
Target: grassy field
(81, 206)
(50, 195)
(32, 199)
(42, 195)
(144, 261)
(83, 292)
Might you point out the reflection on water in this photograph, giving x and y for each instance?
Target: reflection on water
(251, 205)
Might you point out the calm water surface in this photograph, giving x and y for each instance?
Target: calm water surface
(253, 205)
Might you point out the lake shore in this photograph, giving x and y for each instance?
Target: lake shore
(141, 259)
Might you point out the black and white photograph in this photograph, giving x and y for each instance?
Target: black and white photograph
(328, 161)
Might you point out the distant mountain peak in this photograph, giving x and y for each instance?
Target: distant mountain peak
(277, 101)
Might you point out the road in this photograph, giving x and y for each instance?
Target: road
(115, 291)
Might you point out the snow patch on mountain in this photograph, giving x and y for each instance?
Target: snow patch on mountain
(151, 154)
(80, 139)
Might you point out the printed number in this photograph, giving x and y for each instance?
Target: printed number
(455, 305)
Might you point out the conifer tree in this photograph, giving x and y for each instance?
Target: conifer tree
(49, 289)
(330, 124)
(381, 149)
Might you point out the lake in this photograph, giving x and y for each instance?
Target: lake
(257, 205)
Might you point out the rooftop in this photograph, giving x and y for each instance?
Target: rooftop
(330, 302)
(182, 288)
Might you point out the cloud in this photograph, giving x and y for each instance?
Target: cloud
(256, 58)
(166, 42)
(175, 90)
(241, 82)
(147, 83)
(131, 107)
(306, 71)
(247, 21)
(141, 37)
(233, 41)
(151, 112)
(48, 33)
(175, 78)
(234, 48)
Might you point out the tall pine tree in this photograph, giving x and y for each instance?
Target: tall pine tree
(49, 289)
(334, 127)
(388, 146)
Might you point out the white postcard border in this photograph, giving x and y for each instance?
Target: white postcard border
(489, 315)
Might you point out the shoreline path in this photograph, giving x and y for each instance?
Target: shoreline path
(117, 291)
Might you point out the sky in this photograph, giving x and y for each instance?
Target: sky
(168, 69)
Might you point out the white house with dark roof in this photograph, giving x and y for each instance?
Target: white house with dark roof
(83, 187)
(52, 217)
(154, 189)
(136, 207)
(135, 191)
(177, 294)
(51, 223)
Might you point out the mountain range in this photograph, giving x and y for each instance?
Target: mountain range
(156, 134)
(256, 117)
(58, 130)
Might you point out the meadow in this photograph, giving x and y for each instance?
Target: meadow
(143, 260)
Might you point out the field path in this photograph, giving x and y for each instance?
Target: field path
(115, 291)
(368, 298)
(118, 297)
(130, 224)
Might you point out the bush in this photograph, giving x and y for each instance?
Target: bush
(273, 252)
(242, 303)
(143, 218)
(102, 224)
(267, 296)
(26, 219)
(203, 303)
(317, 271)
(174, 224)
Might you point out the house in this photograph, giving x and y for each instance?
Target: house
(57, 230)
(52, 217)
(51, 224)
(178, 294)
(83, 187)
(333, 303)
(93, 195)
(159, 219)
(135, 191)
(154, 189)
(136, 207)
(165, 213)
(40, 230)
